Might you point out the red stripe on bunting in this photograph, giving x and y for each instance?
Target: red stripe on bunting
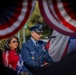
(49, 23)
(48, 45)
(68, 25)
(65, 51)
(69, 10)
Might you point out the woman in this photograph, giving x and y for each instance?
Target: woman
(11, 54)
(5, 70)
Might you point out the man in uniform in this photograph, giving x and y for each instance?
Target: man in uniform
(33, 51)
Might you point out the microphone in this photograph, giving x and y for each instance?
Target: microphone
(50, 37)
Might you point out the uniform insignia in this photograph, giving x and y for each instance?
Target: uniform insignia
(43, 48)
(32, 53)
(40, 26)
(32, 57)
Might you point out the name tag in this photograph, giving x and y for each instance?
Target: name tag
(32, 53)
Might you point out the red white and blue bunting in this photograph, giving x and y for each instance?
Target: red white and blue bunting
(58, 46)
(13, 16)
(59, 16)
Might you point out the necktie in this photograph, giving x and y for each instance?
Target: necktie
(37, 46)
(36, 43)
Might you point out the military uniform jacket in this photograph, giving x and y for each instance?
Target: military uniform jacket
(34, 55)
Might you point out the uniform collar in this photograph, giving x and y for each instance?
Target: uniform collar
(33, 40)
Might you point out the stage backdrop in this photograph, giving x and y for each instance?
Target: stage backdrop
(58, 14)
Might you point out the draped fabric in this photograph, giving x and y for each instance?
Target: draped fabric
(59, 15)
(13, 15)
(58, 46)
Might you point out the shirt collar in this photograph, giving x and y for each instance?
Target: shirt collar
(33, 40)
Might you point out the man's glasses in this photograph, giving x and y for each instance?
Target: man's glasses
(39, 33)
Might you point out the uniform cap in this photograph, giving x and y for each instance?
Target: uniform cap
(37, 28)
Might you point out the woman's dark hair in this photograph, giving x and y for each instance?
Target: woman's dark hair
(7, 42)
(1, 59)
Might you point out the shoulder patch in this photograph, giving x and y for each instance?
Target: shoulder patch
(28, 41)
